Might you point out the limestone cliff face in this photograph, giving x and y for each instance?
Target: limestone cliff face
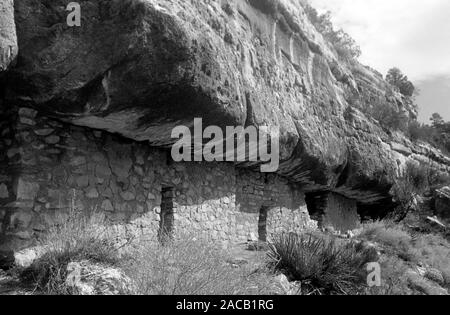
(139, 68)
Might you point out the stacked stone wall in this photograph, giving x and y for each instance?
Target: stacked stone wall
(50, 168)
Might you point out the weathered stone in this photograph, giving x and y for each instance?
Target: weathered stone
(20, 220)
(128, 195)
(139, 170)
(27, 190)
(107, 192)
(435, 275)
(107, 206)
(44, 132)
(287, 288)
(4, 193)
(87, 278)
(327, 144)
(21, 204)
(83, 181)
(27, 112)
(14, 151)
(57, 199)
(102, 171)
(92, 193)
(77, 161)
(25, 258)
(52, 139)
(27, 121)
(320, 135)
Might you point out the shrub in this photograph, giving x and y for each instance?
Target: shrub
(393, 279)
(321, 263)
(77, 237)
(392, 236)
(345, 45)
(192, 266)
(434, 251)
(397, 79)
(436, 135)
(413, 181)
(389, 117)
(418, 131)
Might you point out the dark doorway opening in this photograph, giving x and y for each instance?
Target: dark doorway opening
(262, 224)
(166, 225)
(316, 204)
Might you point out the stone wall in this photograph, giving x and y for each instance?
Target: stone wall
(331, 210)
(50, 168)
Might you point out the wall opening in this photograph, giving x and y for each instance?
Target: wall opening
(316, 203)
(262, 224)
(166, 225)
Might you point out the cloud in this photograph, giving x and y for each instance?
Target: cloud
(413, 35)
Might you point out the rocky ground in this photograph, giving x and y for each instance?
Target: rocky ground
(401, 274)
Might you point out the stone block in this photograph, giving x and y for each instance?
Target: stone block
(20, 220)
(77, 161)
(92, 193)
(27, 190)
(82, 181)
(128, 195)
(52, 139)
(4, 193)
(102, 171)
(44, 132)
(107, 206)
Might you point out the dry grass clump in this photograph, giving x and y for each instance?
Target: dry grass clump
(193, 266)
(403, 251)
(434, 251)
(392, 236)
(75, 238)
(394, 281)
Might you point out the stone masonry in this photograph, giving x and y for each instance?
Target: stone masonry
(49, 168)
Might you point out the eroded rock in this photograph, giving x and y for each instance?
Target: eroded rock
(87, 278)
(160, 64)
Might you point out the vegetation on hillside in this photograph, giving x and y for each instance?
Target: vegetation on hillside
(191, 265)
(437, 134)
(390, 117)
(405, 251)
(343, 43)
(400, 82)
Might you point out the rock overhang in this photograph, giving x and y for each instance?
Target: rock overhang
(140, 68)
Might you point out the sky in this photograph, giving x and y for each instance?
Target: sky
(413, 35)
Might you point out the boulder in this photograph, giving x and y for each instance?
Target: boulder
(25, 258)
(287, 287)
(87, 278)
(435, 275)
